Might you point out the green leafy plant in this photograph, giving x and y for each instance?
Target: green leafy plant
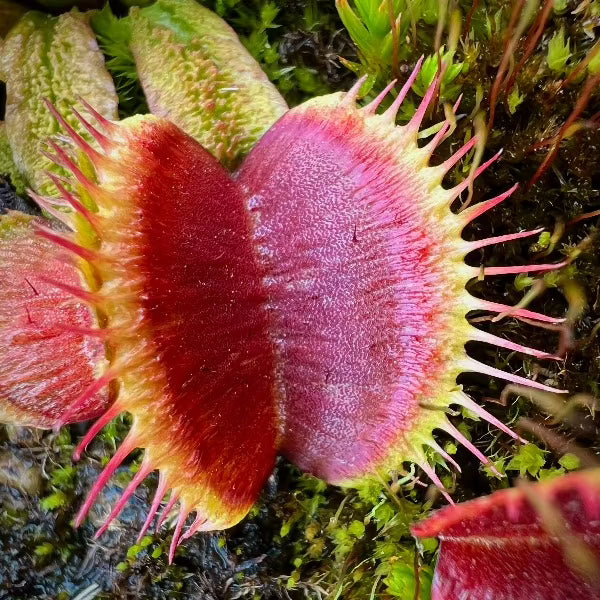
(559, 52)
(529, 460)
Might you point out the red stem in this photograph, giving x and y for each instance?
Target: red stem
(582, 102)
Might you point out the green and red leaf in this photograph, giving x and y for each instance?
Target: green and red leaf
(533, 542)
(47, 362)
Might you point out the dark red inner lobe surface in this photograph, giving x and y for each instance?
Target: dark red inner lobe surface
(500, 515)
(509, 569)
(353, 289)
(205, 307)
(503, 547)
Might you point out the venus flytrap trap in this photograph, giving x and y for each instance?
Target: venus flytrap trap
(55, 57)
(227, 101)
(39, 331)
(273, 365)
(548, 530)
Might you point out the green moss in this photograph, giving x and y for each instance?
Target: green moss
(122, 567)
(8, 168)
(349, 542)
(570, 462)
(293, 44)
(43, 550)
(114, 36)
(54, 501)
(63, 477)
(515, 99)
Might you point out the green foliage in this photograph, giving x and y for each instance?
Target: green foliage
(116, 431)
(543, 242)
(7, 165)
(523, 281)
(429, 70)
(529, 459)
(355, 543)
(54, 501)
(140, 552)
(594, 64)
(493, 23)
(261, 25)
(401, 581)
(258, 43)
(64, 477)
(570, 462)
(379, 30)
(560, 6)
(559, 52)
(133, 551)
(122, 567)
(547, 474)
(514, 100)
(45, 549)
(113, 36)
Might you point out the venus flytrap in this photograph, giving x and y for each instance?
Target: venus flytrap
(547, 531)
(249, 315)
(274, 371)
(58, 58)
(227, 102)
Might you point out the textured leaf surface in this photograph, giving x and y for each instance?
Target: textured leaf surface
(57, 58)
(183, 313)
(43, 366)
(542, 543)
(196, 73)
(365, 273)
